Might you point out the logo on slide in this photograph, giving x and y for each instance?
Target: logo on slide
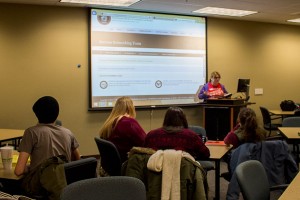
(103, 84)
(158, 84)
(104, 20)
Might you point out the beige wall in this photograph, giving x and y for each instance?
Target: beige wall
(41, 46)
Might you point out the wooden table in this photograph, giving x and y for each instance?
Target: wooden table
(292, 134)
(280, 112)
(8, 174)
(217, 152)
(13, 135)
(292, 192)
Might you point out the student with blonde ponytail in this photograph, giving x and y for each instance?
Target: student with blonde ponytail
(121, 127)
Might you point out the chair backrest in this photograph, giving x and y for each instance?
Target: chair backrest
(207, 165)
(291, 122)
(106, 188)
(58, 122)
(253, 180)
(297, 112)
(110, 157)
(266, 115)
(80, 169)
(200, 131)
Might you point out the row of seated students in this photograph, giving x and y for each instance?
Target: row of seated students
(46, 140)
(173, 148)
(124, 131)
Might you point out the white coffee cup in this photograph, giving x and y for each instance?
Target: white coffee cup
(7, 156)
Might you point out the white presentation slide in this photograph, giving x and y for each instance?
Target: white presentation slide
(157, 59)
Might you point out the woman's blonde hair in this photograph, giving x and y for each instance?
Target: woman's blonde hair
(123, 106)
(215, 74)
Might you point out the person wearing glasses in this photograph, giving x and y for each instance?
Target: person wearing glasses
(213, 89)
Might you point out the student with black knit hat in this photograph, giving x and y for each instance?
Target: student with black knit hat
(45, 140)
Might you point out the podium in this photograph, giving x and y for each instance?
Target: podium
(220, 115)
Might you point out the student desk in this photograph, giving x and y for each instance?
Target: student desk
(293, 190)
(8, 174)
(217, 152)
(13, 135)
(292, 134)
(282, 113)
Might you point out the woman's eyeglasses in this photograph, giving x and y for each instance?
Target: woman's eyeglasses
(217, 77)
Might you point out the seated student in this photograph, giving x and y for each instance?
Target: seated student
(44, 141)
(121, 127)
(246, 131)
(174, 134)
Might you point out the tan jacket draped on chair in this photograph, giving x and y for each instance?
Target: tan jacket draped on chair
(192, 177)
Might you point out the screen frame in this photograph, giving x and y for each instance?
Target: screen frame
(91, 108)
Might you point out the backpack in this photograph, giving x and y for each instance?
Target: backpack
(287, 105)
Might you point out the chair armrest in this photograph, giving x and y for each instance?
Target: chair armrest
(277, 137)
(207, 165)
(273, 118)
(279, 187)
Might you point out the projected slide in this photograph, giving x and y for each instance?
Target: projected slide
(156, 59)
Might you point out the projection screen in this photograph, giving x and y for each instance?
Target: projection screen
(157, 59)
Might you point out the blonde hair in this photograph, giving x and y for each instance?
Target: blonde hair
(214, 74)
(123, 106)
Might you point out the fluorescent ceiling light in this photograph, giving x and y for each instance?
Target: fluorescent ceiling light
(224, 11)
(103, 2)
(294, 20)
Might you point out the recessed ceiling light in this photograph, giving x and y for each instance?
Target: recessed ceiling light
(224, 11)
(103, 2)
(294, 20)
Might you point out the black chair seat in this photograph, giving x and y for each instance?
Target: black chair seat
(207, 165)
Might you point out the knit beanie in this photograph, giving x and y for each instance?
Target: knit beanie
(46, 109)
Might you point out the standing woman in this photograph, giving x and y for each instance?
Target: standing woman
(213, 89)
(121, 127)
